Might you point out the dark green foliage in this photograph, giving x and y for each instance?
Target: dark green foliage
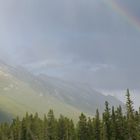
(66, 130)
(114, 125)
(90, 129)
(97, 127)
(107, 122)
(16, 129)
(51, 129)
(131, 122)
(82, 127)
(63, 128)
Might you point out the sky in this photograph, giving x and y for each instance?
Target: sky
(85, 41)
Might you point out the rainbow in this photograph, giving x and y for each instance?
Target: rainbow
(125, 13)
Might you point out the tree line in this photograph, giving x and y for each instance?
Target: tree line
(112, 124)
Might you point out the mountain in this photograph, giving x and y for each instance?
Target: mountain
(22, 91)
(80, 96)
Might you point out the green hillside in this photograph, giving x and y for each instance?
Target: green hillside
(17, 98)
(21, 92)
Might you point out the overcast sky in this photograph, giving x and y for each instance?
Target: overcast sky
(78, 40)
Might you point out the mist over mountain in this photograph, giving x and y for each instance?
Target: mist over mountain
(86, 41)
(68, 55)
(22, 91)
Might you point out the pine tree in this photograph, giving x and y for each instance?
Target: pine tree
(16, 129)
(25, 128)
(66, 129)
(45, 128)
(90, 129)
(5, 131)
(97, 126)
(137, 122)
(82, 127)
(113, 125)
(129, 106)
(62, 128)
(36, 127)
(121, 132)
(130, 118)
(107, 122)
(71, 131)
(51, 126)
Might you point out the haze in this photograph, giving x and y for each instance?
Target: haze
(77, 40)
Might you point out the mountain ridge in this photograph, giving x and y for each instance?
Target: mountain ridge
(22, 91)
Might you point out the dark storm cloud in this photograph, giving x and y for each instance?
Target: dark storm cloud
(75, 39)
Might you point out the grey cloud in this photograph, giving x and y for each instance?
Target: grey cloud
(74, 39)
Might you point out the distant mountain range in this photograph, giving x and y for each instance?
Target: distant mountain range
(22, 91)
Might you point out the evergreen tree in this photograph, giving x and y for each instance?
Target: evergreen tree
(16, 129)
(51, 126)
(36, 127)
(121, 132)
(66, 129)
(71, 131)
(113, 125)
(5, 132)
(107, 122)
(131, 125)
(25, 128)
(97, 126)
(45, 128)
(129, 106)
(90, 129)
(62, 128)
(82, 127)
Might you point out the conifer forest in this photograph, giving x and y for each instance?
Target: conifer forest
(113, 124)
